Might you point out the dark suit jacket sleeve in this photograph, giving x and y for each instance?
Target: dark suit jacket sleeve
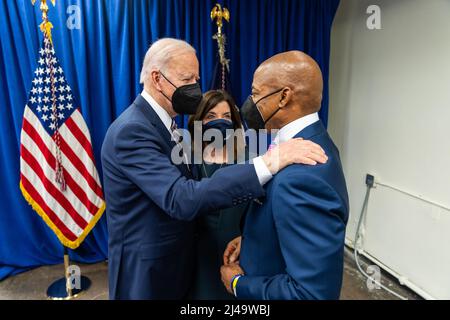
(140, 157)
(311, 235)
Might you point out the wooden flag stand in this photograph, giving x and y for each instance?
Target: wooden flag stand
(62, 289)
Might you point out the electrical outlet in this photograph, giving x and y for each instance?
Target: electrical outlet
(370, 181)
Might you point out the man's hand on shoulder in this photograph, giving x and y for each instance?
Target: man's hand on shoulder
(294, 151)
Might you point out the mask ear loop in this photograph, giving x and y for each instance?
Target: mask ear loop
(160, 72)
(270, 94)
(275, 112)
(168, 79)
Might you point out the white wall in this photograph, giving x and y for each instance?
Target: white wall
(390, 116)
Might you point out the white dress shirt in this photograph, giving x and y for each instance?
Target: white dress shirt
(261, 169)
(291, 129)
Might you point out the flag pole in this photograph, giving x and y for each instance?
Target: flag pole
(73, 284)
(219, 14)
(66, 268)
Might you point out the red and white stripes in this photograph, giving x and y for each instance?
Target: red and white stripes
(73, 211)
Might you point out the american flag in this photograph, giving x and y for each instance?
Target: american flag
(58, 176)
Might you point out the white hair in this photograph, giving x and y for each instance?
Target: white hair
(160, 53)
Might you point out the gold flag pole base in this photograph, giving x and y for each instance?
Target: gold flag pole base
(57, 290)
(61, 288)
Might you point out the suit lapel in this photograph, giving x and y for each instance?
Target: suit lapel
(166, 137)
(153, 117)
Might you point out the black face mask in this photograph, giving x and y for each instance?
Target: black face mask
(219, 124)
(251, 115)
(185, 99)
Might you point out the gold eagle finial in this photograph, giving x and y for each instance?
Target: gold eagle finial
(46, 25)
(217, 13)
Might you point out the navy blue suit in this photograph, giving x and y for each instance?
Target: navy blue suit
(151, 204)
(293, 240)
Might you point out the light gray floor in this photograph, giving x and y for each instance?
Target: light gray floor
(34, 284)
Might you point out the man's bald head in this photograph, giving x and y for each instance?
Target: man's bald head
(299, 72)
